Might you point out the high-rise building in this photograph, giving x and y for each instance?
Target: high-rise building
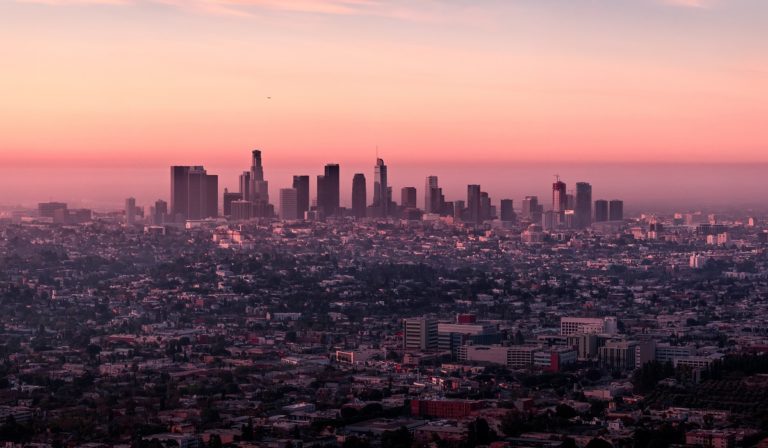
(381, 196)
(459, 209)
(301, 184)
(583, 204)
(530, 208)
(194, 193)
(245, 186)
(359, 196)
(408, 197)
(229, 198)
(616, 210)
(420, 333)
(160, 215)
(259, 188)
(474, 206)
(289, 209)
(486, 210)
(130, 211)
(430, 189)
(328, 190)
(601, 210)
(559, 199)
(507, 210)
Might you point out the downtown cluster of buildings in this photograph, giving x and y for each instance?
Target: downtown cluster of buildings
(194, 197)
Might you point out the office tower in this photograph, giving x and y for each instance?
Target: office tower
(241, 210)
(430, 187)
(601, 210)
(258, 190)
(550, 220)
(486, 210)
(301, 184)
(229, 198)
(458, 209)
(408, 197)
(420, 333)
(381, 197)
(289, 209)
(473, 203)
(530, 205)
(160, 215)
(570, 201)
(359, 196)
(559, 199)
(48, 209)
(507, 210)
(245, 186)
(328, 190)
(328, 199)
(583, 204)
(194, 193)
(57, 211)
(179, 193)
(616, 210)
(130, 211)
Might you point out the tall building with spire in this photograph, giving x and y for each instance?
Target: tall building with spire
(381, 197)
(259, 188)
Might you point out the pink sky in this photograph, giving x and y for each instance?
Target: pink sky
(159, 82)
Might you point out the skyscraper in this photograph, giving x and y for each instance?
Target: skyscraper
(616, 210)
(430, 188)
(229, 198)
(601, 210)
(359, 196)
(301, 184)
(473, 203)
(381, 196)
(328, 190)
(259, 188)
(194, 193)
(245, 186)
(559, 198)
(583, 204)
(130, 211)
(486, 210)
(408, 197)
(289, 204)
(507, 210)
(161, 212)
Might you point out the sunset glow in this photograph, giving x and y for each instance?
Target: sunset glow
(148, 83)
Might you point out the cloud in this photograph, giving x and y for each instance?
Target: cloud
(689, 3)
(252, 7)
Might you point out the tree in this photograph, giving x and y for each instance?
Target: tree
(401, 438)
(479, 433)
(598, 443)
(214, 441)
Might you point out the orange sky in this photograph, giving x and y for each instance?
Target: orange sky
(151, 82)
